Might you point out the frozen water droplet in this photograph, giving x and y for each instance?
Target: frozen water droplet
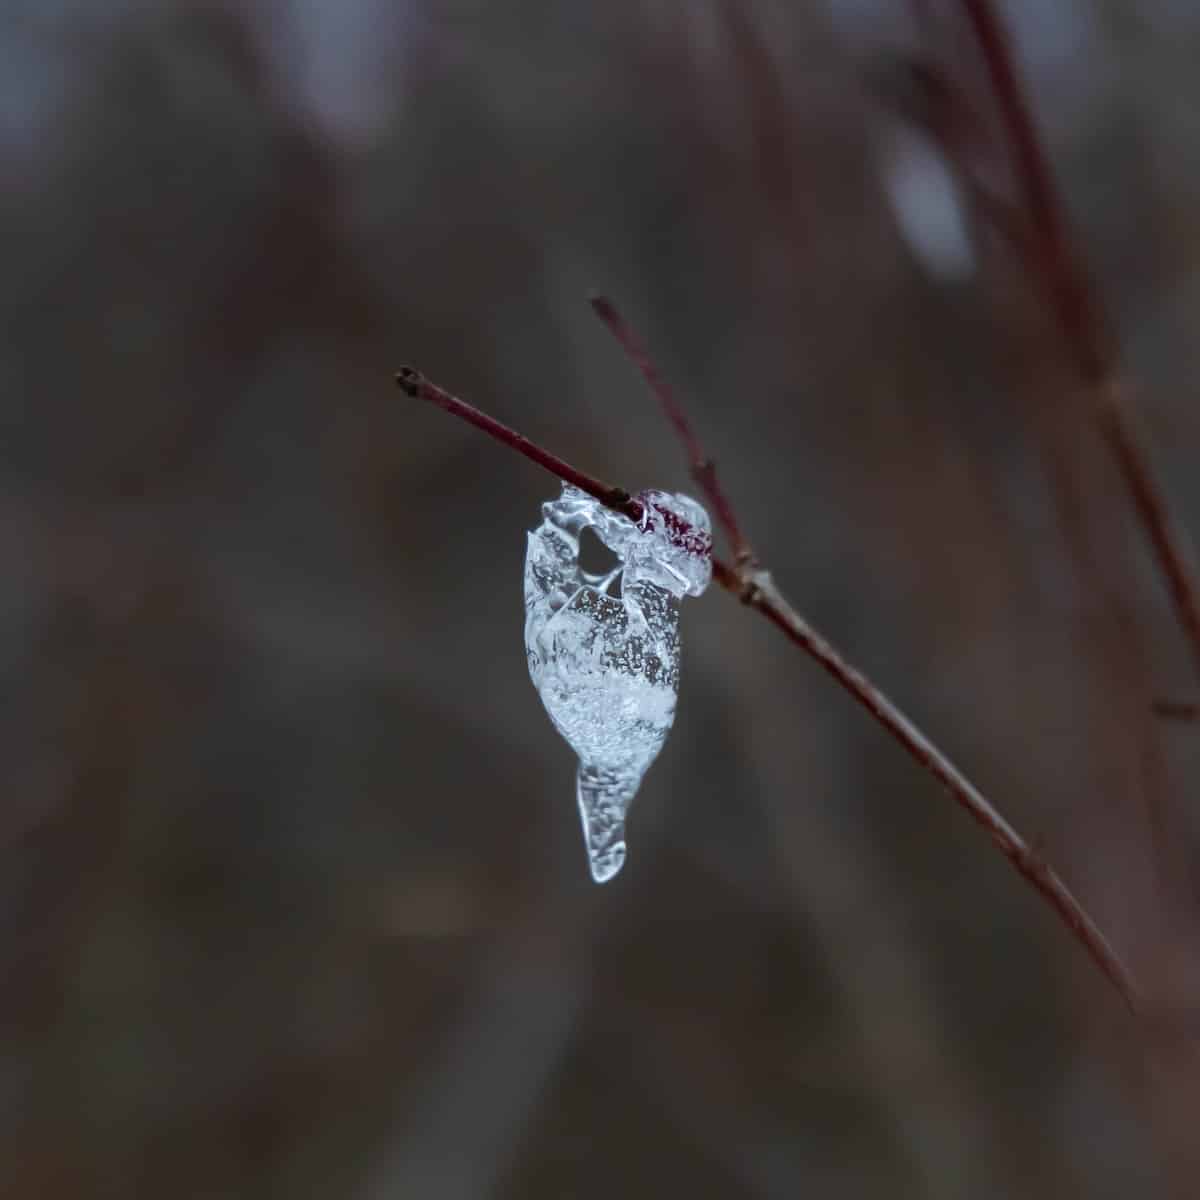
(603, 800)
(603, 650)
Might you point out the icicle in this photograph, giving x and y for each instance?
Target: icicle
(607, 665)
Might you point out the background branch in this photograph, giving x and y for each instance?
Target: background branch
(1079, 312)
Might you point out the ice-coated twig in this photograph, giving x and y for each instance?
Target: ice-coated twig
(755, 588)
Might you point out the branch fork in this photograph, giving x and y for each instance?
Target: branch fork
(754, 586)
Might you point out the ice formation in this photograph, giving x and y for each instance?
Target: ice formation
(604, 649)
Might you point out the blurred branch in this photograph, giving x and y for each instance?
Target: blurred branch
(1049, 256)
(754, 587)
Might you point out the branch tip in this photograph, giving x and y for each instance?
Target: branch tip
(409, 380)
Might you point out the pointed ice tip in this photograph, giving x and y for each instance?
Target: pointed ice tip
(605, 866)
(602, 804)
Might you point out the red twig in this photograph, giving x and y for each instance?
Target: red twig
(696, 541)
(755, 588)
(1070, 293)
(765, 596)
(1169, 540)
(1080, 315)
(416, 385)
(703, 469)
(1032, 169)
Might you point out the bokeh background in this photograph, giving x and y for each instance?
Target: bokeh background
(293, 893)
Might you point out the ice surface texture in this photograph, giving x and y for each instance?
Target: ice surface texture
(604, 649)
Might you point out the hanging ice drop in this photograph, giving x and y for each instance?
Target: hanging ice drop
(604, 649)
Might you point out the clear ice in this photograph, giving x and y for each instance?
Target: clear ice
(604, 649)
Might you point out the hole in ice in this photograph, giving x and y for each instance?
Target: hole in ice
(595, 558)
(599, 565)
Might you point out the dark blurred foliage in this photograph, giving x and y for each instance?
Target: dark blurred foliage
(294, 898)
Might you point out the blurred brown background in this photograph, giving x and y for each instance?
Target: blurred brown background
(294, 897)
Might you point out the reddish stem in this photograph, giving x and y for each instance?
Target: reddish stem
(411, 380)
(1169, 540)
(1070, 293)
(1081, 318)
(759, 591)
(1176, 710)
(703, 469)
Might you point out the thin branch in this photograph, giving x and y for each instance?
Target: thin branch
(1171, 544)
(923, 94)
(703, 469)
(411, 381)
(755, 588)
(760, 592)
(1029, 159)
(1056, 266)
(1085, 327)
(1176, 710)
(695, 541)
